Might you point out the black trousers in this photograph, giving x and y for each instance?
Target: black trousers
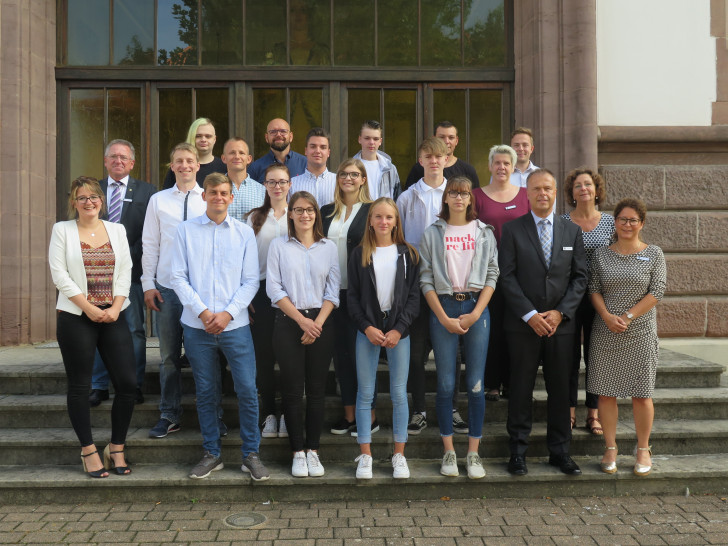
(527, 351)
(584, 319)
(303, 367)
(261, 328)
(78, 339)
(419, 350)
(498, 364)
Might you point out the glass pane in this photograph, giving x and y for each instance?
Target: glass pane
(397, 36)
(222, 32)
(265, 33)
(400, 140)
(450, 105)
(175, 116)
(310, 39)
(213, 104)
(87, 133)
(485, 37)
(354, 32)
(268, 104)
(363, 105)
(485, 128)
(177, 32)
(133, 32)
(306, 112)
(88, 32)
(440, 33)
(125, 121)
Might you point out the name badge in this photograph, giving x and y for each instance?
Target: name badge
(511, 207)
(643, 258)
(568, 248)
(126, 200)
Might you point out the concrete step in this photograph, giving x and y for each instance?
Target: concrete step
(30, 446)
(671, 475)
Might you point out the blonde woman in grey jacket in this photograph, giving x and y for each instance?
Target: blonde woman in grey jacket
(459, 269)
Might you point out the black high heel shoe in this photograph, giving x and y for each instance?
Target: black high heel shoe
(93, 473)
(111, 465)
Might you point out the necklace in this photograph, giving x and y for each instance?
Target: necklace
(92, 233)
(632, 250)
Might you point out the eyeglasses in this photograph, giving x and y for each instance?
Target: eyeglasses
(298, 211)
(631, 221)
(274, 132)
(352, 175)
(92, 198)
(274, 183)
(118, 157)
(452, 194)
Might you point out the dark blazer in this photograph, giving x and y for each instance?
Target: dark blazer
(362, 299)
(526, 282)
(133, 211)
(356, 228)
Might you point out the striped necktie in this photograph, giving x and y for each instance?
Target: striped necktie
(544, 234)
(115, 203)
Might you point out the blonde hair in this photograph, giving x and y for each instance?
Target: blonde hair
(369, 241)
(364, 195)
(192, 132)
(92, 185)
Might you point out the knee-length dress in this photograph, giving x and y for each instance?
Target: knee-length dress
(625, 364)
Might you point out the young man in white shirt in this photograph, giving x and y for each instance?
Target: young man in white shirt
(166, 210)
(215, 276)
(382, 176)
(317, 179)
(248, 194)
(522, 143)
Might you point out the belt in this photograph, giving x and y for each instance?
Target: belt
(385, 315)
(461, 296)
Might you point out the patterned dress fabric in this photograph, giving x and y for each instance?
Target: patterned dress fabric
(99, 263)
(599, 236)
(624, 365)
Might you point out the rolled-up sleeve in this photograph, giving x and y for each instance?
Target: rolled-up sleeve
(333, 279)
(274, 281)
(658, 280)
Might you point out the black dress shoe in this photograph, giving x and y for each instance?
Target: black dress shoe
(517, 465)
(138, 396)
(566, 464)
(97, 396)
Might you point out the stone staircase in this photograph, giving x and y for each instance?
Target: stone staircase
(39, 453)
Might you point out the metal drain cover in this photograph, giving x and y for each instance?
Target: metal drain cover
(245, 520)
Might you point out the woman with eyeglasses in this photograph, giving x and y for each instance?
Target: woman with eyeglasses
(302, 282)
(269, 222)
(584, 189)
(91, 267)
(627, 279)
(344, 222)
(459, 270)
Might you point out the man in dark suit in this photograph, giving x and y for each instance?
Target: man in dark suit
(126, 203)
(543, 274)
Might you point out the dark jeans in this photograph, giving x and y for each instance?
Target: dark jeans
(497, 365)
(78, 339)
(584, 319)
(261, 327)
(303, 367)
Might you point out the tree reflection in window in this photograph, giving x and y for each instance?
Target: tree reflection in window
(182, 49)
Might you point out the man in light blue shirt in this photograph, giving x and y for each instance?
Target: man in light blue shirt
(317, 179)
(215, 275)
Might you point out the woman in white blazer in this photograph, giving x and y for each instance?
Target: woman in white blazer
(91, 267)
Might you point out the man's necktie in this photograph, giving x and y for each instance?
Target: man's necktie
(544, 234)
(115, 203)
(184, 218)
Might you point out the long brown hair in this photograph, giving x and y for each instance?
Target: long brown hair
(364, 195)
(459, 183)
(258, 215)
(369, 241)
(318, 228)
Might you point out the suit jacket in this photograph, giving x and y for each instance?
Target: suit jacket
(67, 269)
(357, 228)
(526, 281)
(133, 211)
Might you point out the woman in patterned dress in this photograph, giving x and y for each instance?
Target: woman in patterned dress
(584, 189)
(627, 281)
(91, 267)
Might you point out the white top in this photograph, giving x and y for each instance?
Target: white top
(519, 178)
(384, 260)
(374, 176)
(459, 252)
(418, 208)
(338, 230)
(322, 187)
(270, 230)
(164, 213)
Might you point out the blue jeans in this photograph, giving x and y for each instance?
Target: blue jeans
(237, 346)
(445, 347)
(169, 330)
(135, 315)
(367, 359)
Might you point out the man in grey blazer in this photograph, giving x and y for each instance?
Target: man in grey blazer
(126, 203)
(544, 276)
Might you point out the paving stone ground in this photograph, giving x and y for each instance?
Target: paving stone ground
(555, 521)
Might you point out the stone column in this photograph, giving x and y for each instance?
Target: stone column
(27, 169)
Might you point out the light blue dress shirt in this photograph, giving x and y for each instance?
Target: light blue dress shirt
(215, 267)
(247, 197)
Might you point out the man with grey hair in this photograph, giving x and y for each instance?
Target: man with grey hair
(127, 199)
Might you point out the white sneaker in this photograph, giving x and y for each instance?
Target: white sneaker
(399, 464)
(364, 468)
(282, 430)
(475, 466)
(299, 468)
(315, 468)
(449, 464)
(270, 427)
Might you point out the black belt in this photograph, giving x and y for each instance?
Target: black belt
(385, 315)
(461, 296)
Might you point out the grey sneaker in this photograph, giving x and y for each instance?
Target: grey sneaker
(474, 466)
(458, 425)
(209, 463)
(255, 468)
(270, 427)
(449, 464)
